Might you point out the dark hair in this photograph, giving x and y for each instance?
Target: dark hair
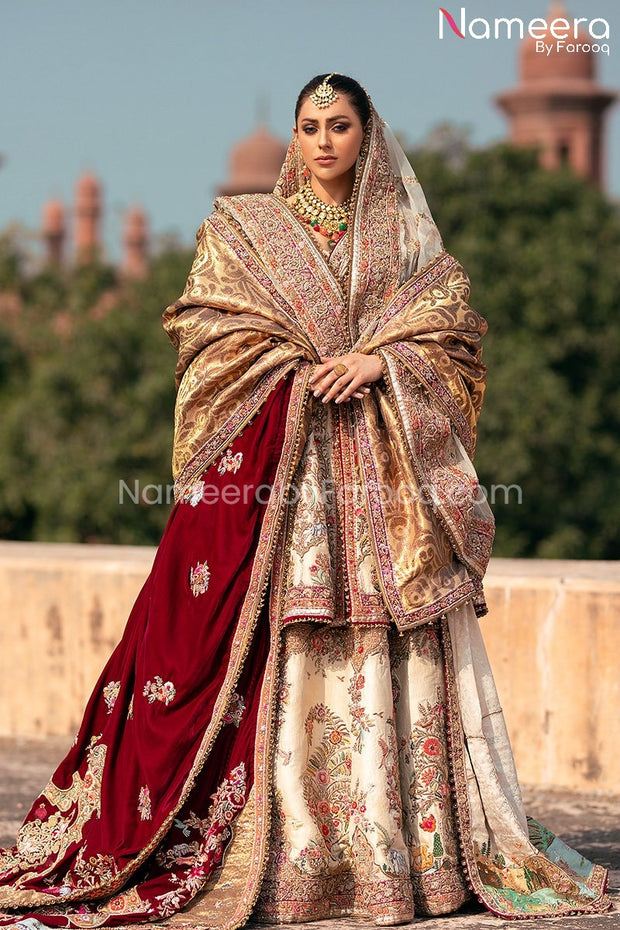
(358, 96)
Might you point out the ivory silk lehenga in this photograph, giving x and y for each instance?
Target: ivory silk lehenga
(300, 721)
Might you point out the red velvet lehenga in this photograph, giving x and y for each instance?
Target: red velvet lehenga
(300, 721)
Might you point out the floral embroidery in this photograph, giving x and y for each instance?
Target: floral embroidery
(431, 746)
(88, 873)
(144, 804)
(130, 709)
(430, 780)
(201, 856)
(110, 694)
(342, 851)
(127, 902)
(230, 462)
(199, 578)
(193, 493)
(428, 824)
(159, 690)
(361, 720)
(227, 800)
(235, 710)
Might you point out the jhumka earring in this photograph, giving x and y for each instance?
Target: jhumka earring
(306, 173)
(324, 95)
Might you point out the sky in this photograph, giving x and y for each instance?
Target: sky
(151, 95)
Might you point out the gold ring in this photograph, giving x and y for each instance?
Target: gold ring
(341, 369)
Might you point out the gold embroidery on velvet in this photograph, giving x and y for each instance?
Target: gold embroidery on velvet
(230, 462)
(46, 838)
(144, 803)
(127, 902)
(111, 692)
(199, 576)
(159, 690)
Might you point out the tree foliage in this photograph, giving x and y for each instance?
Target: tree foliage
(541, 251)
(86, 372)
(87, 391)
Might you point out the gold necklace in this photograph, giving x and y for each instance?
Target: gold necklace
(330, 220)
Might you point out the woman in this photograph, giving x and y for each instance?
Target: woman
(300, 721)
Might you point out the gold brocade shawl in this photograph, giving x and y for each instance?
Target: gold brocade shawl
(261, 302)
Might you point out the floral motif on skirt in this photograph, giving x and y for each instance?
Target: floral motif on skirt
(110, 693)
(199, 578)
(363, 822)
(159, 690)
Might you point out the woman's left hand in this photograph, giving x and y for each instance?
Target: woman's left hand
(362, 370)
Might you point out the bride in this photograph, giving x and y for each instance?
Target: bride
(300, 721)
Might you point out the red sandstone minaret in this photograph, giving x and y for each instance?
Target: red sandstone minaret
(254, 164)
(135, 241)
(87, 218)
(558, 106)
(54, 232)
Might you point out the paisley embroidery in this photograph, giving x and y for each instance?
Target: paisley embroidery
(159, 690)
(199, 578)
(144, 804)
(230, 462)
(110, 694)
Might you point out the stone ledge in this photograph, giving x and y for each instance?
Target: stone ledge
(552, 632)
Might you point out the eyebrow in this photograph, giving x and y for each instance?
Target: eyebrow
(330, 119)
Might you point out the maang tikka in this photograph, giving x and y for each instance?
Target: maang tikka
(324, 95)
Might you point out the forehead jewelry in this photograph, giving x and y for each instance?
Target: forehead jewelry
(324, 95)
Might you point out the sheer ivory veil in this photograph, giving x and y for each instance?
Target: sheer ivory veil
(420, 239)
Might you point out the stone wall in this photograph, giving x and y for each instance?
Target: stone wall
(553, 635)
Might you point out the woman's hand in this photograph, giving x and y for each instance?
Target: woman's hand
(362, 371)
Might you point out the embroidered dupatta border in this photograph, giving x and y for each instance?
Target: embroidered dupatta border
(429, 377)
(471, 550)
(403, 619)
(425, 372)
(457, 750)
(296, 256)
(413, 288)
(248, 258)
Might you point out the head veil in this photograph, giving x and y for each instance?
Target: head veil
(393, 234)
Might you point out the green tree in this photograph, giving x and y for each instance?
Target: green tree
(89, 405)
(541, 250)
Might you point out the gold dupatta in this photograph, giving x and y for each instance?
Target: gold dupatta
(261, 302)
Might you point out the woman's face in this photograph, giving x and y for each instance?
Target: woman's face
(330, 138)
